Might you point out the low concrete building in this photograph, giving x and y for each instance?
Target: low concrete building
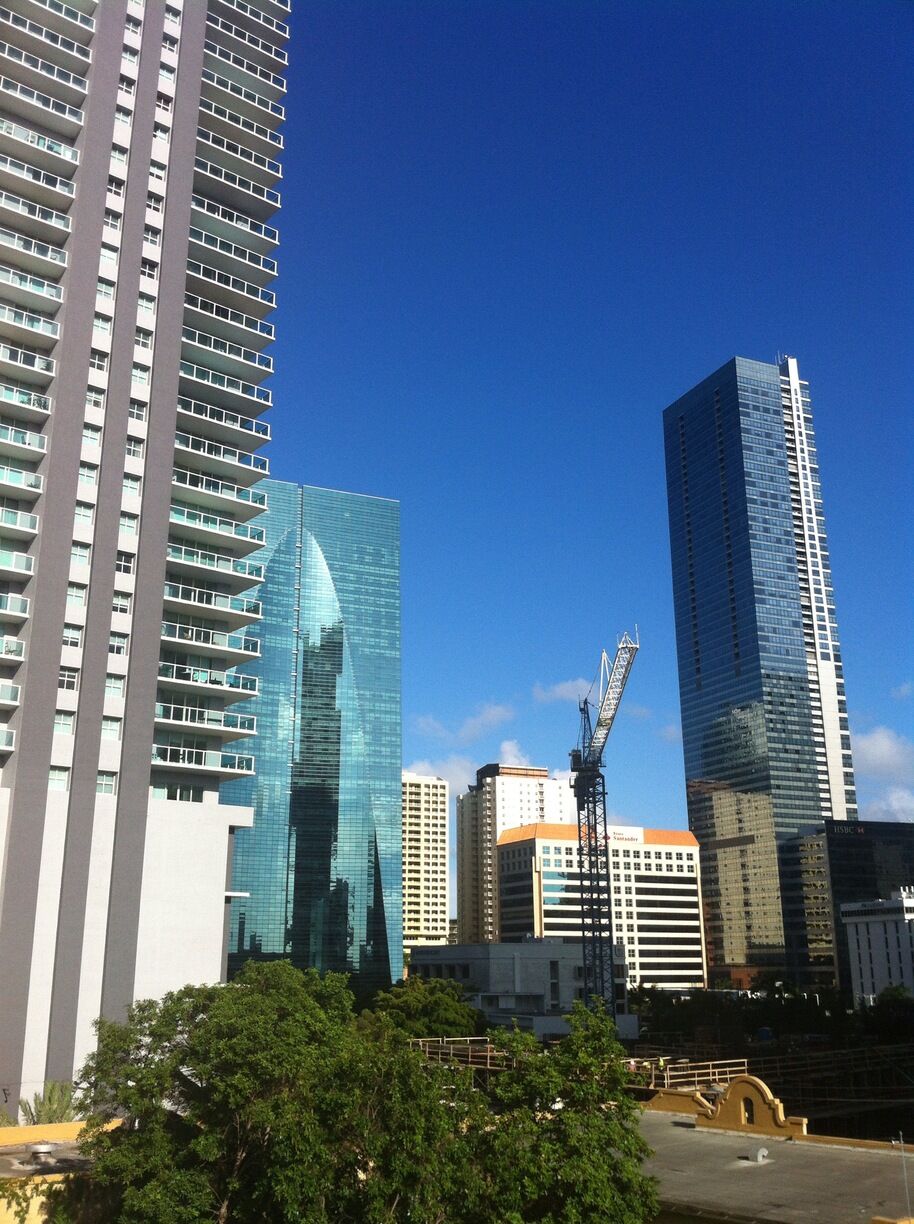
(534, 982)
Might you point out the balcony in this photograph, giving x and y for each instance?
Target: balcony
(211, 722)
(223, 321)
(25, 290)
(22, 483)
(234, 226)
(224, 355)
(18, 324)
(41, 185)
(231, 686)
(15, 564)
(33, 104)
(54, 155)
(235, 190)
(21, 443)
(217, 494)
(40, 73)
(12, 650)
(229, 290)
(244, 72)
(243, 466)
(262, 51)
(9, 696)
(17, 524)
(28, 404)
(226, 427)
(235, 610)
(231, 571)
(232, 258)
(216, 643)
(239, 159)
(232, 126)
(45, 224)
(67, 19)
(254, 17)
(25, 364)
(33, 255)
(228, 392)
(14, 609)
(41, 40)
(217, 87)
(7, 739)
(202, 760)
(210, 528)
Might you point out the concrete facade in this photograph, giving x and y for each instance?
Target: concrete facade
(135, 257)
(880, 944)
(426, 883)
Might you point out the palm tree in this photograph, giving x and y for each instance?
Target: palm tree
(55, 1104)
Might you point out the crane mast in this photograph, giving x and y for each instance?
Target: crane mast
(590, 795)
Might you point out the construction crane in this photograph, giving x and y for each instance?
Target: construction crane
(590, 793)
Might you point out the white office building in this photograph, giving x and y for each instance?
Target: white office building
(503, 797)
(880, 943)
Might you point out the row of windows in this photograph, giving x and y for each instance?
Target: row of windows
(59, 780)
(65, 722)
(73, 636)
(68, 680)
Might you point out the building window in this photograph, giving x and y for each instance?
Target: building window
(140, 375)
(63, 722)
(149, 268)
(85, 512)
(95, 398)
(121, 602)
(98, 360)
(155, 203)
(136, 410)
(114, 685)
(72, 635)
(123, 563)
(118, 155)
(115, 186)
(105, 783)
(146, 303)
(80, 554)
(92, 434)
(88, 473)
(125, 84)
(132, 486)
(68, 678)
(105, 289)
(118, 643)
(157, 171)
(76, 595)
(161, 131)
(112, 220)
(135, 448)
(58, 778)
(111, 728)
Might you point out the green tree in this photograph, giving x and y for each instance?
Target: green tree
(55, 1104)
(562, 1144)
(435, 1008)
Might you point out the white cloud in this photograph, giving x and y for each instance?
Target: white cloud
(671, 733)
(633, 710)
(457, 771)
(487, 717)
(565, 690)
(883, 753)
(561, 775)
(903, 691)
(896, 804)
(509, 753)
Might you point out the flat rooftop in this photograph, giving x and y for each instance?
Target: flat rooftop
(707, 1175)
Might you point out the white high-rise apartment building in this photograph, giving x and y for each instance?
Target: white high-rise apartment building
(503, 797)
(138, 175)
(425, 861)
(655, 911)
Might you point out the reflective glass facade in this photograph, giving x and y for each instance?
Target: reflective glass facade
(740, 460)
(322, 863)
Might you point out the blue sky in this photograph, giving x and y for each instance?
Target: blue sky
(513, 232)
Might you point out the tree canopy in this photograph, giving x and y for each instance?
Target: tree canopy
(435, 1008)
(265, 1099)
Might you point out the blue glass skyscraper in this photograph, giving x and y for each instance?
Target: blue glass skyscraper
(319, 874)
(764, 715)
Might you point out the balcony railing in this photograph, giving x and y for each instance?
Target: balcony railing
(37, 212)
(224, 314)
(27, 359)
(236, 219)
(11, 650)
(38, 141)
(30, 284)
(7, 739)
(262, 76)
(9, 694)
(253, 129)
(10, 394)
(20, 563)
(68, 12)
(72, 116)
(212, 522)
(227, 454)
(14, 606)
(240, 604)
(237, 351)
(60, 75)
(235, 283)
(242, 254)
(221, 143)
(14, 435)
(217, 639)
(32, 246)
(218, 488)
(33, 174)
(26, 320)
(23, 28)
(251, 41)
(254, 12)
(222, 416)
(207, 720)
(204, 760)
(225, 382)
(208, 677)
(248, 96)
(19, 521)
(180, 554)
(21, 479)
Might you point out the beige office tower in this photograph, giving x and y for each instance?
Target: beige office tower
(503, 797)
(425, 861)
(138, 174)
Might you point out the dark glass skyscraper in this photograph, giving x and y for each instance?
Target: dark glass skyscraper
(319, 874)
(765, 734)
